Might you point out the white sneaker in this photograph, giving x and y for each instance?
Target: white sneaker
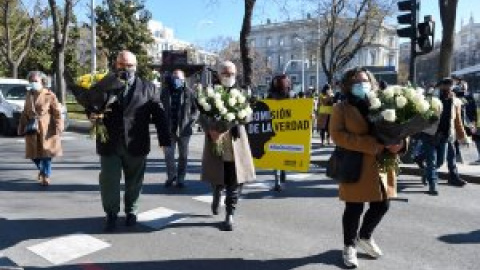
(369, 246)
(350, 256)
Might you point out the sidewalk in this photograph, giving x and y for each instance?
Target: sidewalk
(320, 155)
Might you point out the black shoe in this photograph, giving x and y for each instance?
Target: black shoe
(432, 193)
(217, 195)
(457, 183)
(180, 185)
(130, 220)
(227, 225)
(169, 182)
(277, 188)
(110, 223)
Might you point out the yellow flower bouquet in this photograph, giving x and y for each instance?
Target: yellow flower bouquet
(96, 93)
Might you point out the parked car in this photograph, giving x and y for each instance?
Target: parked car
(12, 100)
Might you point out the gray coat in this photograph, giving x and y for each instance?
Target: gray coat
(188, 111)
(212, 165)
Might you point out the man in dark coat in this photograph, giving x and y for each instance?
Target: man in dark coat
(179, 101)
(127, 124)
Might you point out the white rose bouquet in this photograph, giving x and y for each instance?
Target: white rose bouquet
(222, 109)
(398, 112)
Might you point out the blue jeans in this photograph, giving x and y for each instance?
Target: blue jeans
(435, 158)
(174, 172)
(44, 165)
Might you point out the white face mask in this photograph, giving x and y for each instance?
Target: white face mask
(228, 81)
(36, 86)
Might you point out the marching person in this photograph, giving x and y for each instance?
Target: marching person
(179, 101)
(279, 89)
(235, 166)
(439, 141)
(44, 143)
(325, 106)
(128, 143)
(349, 128)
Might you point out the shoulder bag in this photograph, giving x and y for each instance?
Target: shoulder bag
(32, 124)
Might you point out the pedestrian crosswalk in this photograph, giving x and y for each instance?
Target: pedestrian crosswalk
(160, 217)
(67, 248)
(74, 248)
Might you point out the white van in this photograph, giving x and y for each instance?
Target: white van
(12, 100)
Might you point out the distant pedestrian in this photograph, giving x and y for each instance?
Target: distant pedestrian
(350, 129)
(180, 104)
(45, 143)
(279, 90)
(128, 141)
(325, 107)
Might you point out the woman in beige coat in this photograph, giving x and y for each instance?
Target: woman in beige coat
(44, 144)
(349, 129)
(235, 166)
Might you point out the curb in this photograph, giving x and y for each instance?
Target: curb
(416, 171)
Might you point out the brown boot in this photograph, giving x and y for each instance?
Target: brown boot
(45, 181)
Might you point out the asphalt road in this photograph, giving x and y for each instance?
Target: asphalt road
(60, 227)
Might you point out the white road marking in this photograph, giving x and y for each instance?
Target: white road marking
(159, 217)
(207, 198)
(67, 248)
(257, 185)
(299, 175)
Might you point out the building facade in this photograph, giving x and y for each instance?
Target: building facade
(285, 44)
(164, 39)
(467, 45)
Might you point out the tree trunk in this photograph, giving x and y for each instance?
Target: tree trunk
(448, 16)
(244, 45)
(13, 68)
(59, 76)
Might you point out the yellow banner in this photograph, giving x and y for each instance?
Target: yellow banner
(280, 134)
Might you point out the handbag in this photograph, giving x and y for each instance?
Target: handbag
(32, 124)
(344, 165)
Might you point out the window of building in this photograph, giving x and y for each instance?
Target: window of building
(313, 60)
(280, 61)
(312, 81)
(269, 41)
(281, 41)
(252, 43)
(293, 63)
(391, 60)
(294, 79)
(373, 58)
(269, 61)
(464, 40)
(391, 42)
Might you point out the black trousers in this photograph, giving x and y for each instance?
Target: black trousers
(351, 220)
(232, 188)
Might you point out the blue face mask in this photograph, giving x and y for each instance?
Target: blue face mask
(177, 83)
(36, 86)
(361, 89)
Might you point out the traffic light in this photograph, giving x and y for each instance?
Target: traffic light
(426, 39)
(410, 18)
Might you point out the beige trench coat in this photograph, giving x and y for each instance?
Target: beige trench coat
(349, 130)
(46, 143)
(212, 165)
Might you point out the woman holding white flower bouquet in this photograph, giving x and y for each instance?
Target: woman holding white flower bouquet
(227, 162)
(350, 129)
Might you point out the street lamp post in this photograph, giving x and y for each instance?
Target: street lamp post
(94, 37)
(303, 62)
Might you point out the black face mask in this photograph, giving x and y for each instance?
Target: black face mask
(125, 75)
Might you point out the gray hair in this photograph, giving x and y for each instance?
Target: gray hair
(36, 73)
(228, 64)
